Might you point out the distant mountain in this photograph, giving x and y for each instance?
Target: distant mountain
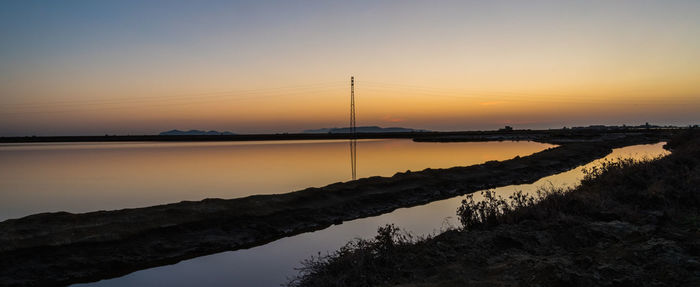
(195, 133)
(367, 129)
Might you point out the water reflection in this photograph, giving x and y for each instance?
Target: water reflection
(273, 263)
(81, 177)
(353, 158)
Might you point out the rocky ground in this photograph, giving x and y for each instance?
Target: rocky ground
(628, 224)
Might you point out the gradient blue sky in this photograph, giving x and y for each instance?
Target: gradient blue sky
(139, 67)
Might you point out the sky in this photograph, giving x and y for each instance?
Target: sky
(141, 67)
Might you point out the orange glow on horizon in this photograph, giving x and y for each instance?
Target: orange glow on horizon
(462, 65)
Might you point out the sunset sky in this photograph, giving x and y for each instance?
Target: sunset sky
(141, 67)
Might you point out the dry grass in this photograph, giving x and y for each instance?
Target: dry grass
(629, 190)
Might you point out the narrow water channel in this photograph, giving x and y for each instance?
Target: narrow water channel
(272, 264)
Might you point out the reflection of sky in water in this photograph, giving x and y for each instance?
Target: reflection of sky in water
(81, 177)
(271, 264)
(572, 177)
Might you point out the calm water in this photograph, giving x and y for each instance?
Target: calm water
(103, 176)
(273, 263)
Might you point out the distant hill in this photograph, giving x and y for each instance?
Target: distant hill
(366, 129)
(194, 133)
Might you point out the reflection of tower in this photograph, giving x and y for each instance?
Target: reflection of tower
(353, 157)
(353, 139)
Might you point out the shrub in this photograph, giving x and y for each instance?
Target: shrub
(354, 259)
(494, 210)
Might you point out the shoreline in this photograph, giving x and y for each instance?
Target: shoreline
(629, 223)
(63, 248)
(535, 135)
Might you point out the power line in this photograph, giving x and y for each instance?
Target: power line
(195, 96)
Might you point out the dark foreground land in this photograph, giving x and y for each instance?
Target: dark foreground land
(62, 248)
(628, 224)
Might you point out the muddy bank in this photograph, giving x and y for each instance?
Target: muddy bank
(63, 248)
(628, 224)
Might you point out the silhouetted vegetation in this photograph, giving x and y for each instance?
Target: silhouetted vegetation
(494, 209)
(629, 222)
(345, 267)
(590, 199)
(42, 249)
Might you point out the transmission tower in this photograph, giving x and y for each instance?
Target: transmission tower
(352, 106)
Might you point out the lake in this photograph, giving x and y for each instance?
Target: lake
(273, 263)
(82, 177)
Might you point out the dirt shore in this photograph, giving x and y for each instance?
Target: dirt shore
(628, 224)
(54, 249)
